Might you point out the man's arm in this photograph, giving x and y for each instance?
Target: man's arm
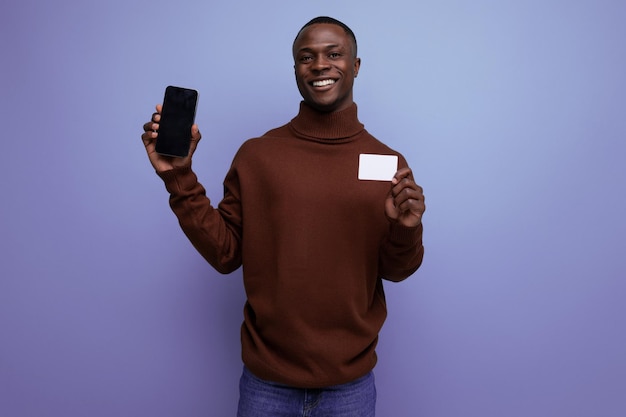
(215, 233)
(402, 252)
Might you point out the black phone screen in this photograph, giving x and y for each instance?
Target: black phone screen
(177, 117)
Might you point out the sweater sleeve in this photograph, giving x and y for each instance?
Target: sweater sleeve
(214, 232)
(401, 253)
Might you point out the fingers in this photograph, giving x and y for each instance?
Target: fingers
(153, 124)
(402, 173)
(151, 128)
(409, 199)
(404, 187)
(150, 134)
(406, 195)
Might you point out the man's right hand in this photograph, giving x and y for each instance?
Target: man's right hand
(163, 163)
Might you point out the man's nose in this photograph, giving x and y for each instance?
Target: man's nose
(321, 63)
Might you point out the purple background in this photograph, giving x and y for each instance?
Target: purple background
(511, 113)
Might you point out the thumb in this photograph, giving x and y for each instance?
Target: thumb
(195, 138)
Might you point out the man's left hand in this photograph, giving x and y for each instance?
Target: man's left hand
(405, 202)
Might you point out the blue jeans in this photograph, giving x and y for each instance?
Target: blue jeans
(258, 398)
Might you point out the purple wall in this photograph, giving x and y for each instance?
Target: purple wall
(511, 114)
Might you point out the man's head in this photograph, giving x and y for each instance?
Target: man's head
(326, 63)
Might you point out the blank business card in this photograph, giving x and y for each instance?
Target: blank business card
(377, 167)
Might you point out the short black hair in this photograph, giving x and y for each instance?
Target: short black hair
(332, 21)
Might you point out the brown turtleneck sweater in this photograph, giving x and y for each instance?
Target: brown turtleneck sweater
(314, 242)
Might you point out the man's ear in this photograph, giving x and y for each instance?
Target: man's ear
(357, 65)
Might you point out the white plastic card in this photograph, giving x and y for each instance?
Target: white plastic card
(377, 167)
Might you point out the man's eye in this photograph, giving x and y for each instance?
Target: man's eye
(305, 58)
(334, 55)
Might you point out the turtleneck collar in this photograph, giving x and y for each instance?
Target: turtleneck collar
(323, 127)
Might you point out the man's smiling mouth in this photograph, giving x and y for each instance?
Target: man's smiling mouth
(322, 83)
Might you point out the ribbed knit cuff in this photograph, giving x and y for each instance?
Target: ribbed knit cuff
(402, 234)
(178, 180)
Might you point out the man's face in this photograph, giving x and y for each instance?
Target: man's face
(325, 67)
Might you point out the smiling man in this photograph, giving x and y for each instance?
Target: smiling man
(314, 239)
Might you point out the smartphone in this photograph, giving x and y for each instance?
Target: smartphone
(177, 117)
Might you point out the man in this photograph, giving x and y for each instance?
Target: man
(315, 242)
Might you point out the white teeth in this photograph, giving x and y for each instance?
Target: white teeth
(323, 83)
